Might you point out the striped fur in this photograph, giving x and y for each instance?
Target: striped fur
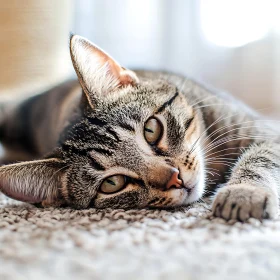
(221, 147)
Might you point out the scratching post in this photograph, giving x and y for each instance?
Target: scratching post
(33, 45)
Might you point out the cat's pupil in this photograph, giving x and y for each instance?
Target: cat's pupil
(148, 130)
(152, 130)
(110, 182)
(113, 184)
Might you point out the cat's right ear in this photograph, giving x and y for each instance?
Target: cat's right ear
(34, 181)
(98, 73)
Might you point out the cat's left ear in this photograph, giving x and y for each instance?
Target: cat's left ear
(34, 181)
(98, 73)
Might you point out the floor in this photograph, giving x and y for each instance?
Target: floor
(137, 244)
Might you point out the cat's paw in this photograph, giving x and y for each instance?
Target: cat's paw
(242, 201)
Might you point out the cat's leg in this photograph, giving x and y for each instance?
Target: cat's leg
(253, 187)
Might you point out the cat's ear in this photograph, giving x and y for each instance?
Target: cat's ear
(34, 181)
(98, 73)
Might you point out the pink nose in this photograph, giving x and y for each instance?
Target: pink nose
(174, 180)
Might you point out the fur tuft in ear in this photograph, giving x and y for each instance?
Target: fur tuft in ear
(33, 181)
(98, 73)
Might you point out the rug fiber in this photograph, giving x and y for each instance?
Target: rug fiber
(137, 244)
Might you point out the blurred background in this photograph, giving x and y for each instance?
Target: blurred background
(233, 45)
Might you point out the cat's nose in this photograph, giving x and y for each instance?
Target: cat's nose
(174, 180)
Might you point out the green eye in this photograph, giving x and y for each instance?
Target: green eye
(152, 130)
(113, 184)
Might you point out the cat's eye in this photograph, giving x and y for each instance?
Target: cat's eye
(113, 184)
(152, 130)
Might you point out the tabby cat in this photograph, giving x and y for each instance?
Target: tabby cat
(123, 139)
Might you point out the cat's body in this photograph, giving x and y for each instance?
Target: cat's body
(32, 129)
(205, 139)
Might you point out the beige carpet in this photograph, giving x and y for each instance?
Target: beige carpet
(136, 244)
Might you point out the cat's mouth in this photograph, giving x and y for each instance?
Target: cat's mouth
(195, 191)
(187, 182)
(188, 186)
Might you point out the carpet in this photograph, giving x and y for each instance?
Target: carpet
(136, 244)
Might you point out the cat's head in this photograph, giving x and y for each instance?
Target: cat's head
(135, 145)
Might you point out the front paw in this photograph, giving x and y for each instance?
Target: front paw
(242, 201)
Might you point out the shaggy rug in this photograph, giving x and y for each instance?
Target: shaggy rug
(137, 244)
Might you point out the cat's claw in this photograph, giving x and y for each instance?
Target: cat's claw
(243, 201)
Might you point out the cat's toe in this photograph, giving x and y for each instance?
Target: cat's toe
(240, 202)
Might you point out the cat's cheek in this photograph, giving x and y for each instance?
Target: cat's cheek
(170, 198)
(133, 196)
(77, 189)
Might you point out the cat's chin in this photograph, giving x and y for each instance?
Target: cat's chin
(196, 193)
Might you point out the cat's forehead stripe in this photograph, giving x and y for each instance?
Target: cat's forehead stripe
(168, 102)
(104, 151)
(97, 121)
(113, 133)
(97, 165)
(126, 125)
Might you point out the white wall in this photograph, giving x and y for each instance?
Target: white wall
(163, 34)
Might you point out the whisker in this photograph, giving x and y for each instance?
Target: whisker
(224, 127)
(238, 128)
(202, 100)
(231, 138)
(205, 106)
